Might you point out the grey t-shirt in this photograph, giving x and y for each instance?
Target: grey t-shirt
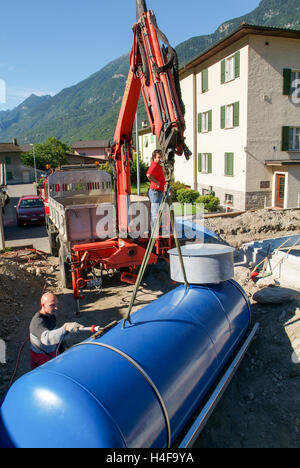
(44, 336)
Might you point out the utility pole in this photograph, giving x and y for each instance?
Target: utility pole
(137, 157)
(2, 203)
(2, 240)
(34, 162)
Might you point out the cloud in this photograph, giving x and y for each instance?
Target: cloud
(24, 93)
(2, 91)
(13, 97)
(7, 66)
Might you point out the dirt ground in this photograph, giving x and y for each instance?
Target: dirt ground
(261, 407)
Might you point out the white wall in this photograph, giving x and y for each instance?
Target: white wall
(147, 144)
(269, 109)
(220, 141)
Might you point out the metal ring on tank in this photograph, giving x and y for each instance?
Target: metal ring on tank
(147, 378)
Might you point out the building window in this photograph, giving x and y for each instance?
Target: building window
(230, 68)
(294, 138)
(291, 81)
(9, 176)
(228, 199)
(230, 115)
(229, 164)
(205, 122)
(205, 163)
(7, 160)
(291, 139)
(295, 81)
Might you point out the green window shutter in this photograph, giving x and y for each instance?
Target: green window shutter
(223, 116)
(232, 164)
(287, 81)
(237, 61)
(236, 114)
(204, 75)
(199, 162)
(210, 121)
(223, 67)
(229, 164)
(210, 163)
(199, 123)
(285, 138)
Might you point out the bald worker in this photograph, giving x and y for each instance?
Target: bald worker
(45, 338)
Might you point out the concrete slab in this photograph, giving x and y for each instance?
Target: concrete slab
(284, 258)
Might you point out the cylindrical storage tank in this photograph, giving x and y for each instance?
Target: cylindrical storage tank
(203, 263)
(138, 385)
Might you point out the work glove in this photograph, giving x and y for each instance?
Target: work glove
(72, 327)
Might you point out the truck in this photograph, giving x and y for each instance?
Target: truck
(82, 229)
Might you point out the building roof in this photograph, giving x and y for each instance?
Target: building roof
(91, 144)
(282, 162)
(145, 130)
(87, 156)
(243, 30)
(9, 148)
(25, 148)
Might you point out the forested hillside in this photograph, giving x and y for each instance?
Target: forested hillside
(89, 110)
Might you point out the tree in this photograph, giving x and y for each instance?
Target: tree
(143, 171)
(52, 152)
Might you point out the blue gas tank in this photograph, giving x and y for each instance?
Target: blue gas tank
(136, 386)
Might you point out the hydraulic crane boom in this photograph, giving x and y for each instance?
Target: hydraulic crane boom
(154, 72)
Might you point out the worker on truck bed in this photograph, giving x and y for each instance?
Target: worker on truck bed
(45, 338)
(157, 180)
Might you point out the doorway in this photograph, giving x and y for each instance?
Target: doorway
(279, 190)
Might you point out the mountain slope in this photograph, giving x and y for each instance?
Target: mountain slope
(270, 13)
(10, 117)
(89, 110)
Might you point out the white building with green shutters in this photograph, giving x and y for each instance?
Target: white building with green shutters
(242, 99)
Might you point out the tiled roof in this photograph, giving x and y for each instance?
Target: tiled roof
(91, 144)
(9, 148)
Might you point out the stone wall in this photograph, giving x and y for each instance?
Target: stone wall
(258, 200)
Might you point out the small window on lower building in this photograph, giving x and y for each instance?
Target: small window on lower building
(7, 160)
(228, 199)
(9, 176)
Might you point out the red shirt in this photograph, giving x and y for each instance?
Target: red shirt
(157, 171)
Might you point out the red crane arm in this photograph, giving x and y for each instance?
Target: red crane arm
(154, 71)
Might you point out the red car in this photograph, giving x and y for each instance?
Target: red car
(30, 210)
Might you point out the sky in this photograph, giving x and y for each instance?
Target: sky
(48, 46)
